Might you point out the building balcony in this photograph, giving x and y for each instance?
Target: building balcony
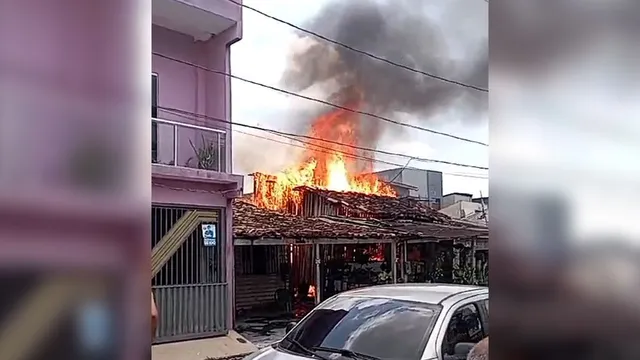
(183, 151)
(198, 18)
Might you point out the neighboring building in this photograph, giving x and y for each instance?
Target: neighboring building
(403, 190)
(463, 206)
(329, 237)
(192, 181)
(468, 211)
(455, 197)
(425, 184)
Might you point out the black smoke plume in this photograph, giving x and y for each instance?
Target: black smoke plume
(400, 31)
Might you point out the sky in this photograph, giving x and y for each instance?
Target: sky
(262, 56)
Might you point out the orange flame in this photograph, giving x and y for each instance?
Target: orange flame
(325, 165)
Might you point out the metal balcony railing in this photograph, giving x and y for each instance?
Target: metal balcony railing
(186, 145)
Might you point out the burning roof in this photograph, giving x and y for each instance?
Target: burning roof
(354, 204)
(252, 222)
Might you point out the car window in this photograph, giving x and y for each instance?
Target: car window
(382, 328)
(465, 326)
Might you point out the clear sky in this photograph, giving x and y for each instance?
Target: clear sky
(262, 56)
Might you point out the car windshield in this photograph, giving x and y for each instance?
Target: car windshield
(370, 327)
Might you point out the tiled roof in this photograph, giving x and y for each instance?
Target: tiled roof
(381, 207)
(252, 222)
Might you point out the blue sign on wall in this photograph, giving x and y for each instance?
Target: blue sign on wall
(209, 234)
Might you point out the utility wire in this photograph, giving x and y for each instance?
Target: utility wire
(328, 150)
(319, 100)
(335, 42)
(401, 170)
(359, 157)
(191, 115)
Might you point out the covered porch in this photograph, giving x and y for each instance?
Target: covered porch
(289, 263)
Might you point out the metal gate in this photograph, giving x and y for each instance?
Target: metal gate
(189, 275)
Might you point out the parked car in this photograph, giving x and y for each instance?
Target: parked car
(399, 322)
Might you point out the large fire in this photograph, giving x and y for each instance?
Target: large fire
(324, 165)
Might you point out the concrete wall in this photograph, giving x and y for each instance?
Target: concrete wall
(462, 209)
(191, 89)
(451, 199)
(402, 191)
(429, 183)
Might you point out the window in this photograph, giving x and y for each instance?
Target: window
(485, 305)
(465, 326)
(383, 328)
(260, 259)
(154, 114)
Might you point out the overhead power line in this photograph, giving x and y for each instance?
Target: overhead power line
(401, 170)
(190, 115)
(319, 101)
(317, 148)
(335, 42)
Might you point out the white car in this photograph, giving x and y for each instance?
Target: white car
(389, 322)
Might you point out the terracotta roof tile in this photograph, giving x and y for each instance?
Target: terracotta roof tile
(382, 207)
(252, 222)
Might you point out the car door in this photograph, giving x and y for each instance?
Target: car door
(463, 323)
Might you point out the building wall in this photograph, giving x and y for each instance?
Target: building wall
(191, 89)
(188, 88)
(451, 199)
(429, 183)
(462, 209)
(257, 273)
(402, 191)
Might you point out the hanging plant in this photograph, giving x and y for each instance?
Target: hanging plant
(206, 156)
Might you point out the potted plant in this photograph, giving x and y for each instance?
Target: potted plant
(206, 156)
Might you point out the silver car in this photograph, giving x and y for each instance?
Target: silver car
(399, 322)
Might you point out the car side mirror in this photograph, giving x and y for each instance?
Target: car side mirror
(463, 349)
(290, 326)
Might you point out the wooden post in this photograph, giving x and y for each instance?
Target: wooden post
(405, 258)
(402, 261)
(394, 261)
(473, 255)
(316, 250)
(455, 260)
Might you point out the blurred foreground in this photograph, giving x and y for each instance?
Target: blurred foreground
(564, 235)
(74, 179)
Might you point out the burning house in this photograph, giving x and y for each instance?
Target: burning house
(302, 244)
(327, 223)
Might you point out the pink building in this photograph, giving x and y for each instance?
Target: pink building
(192, 177)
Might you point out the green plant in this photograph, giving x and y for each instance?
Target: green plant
(468, 275)
(435, 274)
(206, 155)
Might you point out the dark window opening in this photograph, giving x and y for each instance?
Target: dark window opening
(259, 260)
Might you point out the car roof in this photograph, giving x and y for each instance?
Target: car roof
(425, 293)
